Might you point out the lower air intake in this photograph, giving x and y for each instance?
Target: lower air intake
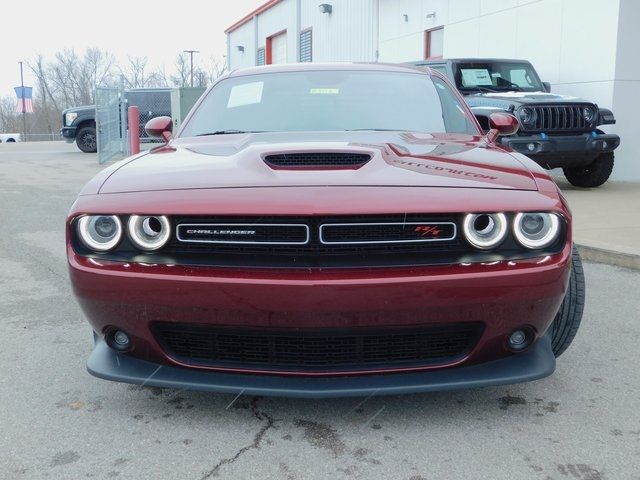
(317, 349)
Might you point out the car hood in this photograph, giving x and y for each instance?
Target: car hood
(505, 99)
(397, 159)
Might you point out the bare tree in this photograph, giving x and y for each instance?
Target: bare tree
(136, 74)
(182, 77)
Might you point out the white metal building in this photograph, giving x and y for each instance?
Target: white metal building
(584, 48)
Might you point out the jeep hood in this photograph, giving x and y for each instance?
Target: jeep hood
(397, 160)
(505, 99)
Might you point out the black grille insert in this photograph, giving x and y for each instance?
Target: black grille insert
(317, 349)
(317, 160)
(380, 233)
(560, 118)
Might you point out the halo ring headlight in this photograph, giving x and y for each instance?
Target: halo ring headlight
(99, 232)
(535, 230)
(485, 230)
(149, 232)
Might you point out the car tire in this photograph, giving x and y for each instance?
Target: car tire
(11, 140)
(565, 326)
(592, 175)
(86, 140)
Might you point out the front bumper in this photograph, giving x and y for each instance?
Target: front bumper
(501, 295)
(68, 133)
(536, 363)
(557, 151)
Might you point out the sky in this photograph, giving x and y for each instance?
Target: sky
(159, 30)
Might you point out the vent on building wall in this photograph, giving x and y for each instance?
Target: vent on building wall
(306, 46)
(260, 57)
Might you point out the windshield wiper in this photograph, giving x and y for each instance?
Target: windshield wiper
(228, 132)
(480, 89)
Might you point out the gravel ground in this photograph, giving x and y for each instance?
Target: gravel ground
(57, 421)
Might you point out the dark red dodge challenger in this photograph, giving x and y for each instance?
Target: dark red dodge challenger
(326, 230)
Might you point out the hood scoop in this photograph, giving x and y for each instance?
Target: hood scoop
(317, 160)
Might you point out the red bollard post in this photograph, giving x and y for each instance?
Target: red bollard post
(133, 115)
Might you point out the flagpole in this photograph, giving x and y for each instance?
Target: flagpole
(24, 109)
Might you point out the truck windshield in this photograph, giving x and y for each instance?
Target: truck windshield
(497, 76)
(340, 100)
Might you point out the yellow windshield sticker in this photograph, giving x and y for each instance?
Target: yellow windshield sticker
(324, 91)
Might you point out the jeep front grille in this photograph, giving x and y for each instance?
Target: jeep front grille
(560, 118)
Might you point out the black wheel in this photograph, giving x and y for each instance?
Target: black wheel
(592, 175)
(11, 140)
(567, 321)
(86, 140)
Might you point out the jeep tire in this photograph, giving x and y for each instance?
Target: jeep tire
(567, 321)
(86, 139)
(592, 175)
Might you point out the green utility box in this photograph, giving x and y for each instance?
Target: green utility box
(182, 100)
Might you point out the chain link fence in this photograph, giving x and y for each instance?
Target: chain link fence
(111, 117)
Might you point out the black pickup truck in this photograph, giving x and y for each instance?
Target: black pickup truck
(79, 123)
(556, 131)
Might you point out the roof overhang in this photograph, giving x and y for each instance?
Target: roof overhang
(247, 18)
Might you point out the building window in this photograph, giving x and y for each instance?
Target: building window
(260, 58)
(433, 43)
(306, 46)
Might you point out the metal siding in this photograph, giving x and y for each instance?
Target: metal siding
(347, 34)
(242, 36)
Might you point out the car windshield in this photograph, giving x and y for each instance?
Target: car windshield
(339, 100)
(497, 76)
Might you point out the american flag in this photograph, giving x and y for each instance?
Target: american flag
(25, 93)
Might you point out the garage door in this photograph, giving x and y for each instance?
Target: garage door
(279, 48)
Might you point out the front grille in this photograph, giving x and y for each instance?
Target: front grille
(333, 241)
(560, 118)
(317, 160)
(317, 349)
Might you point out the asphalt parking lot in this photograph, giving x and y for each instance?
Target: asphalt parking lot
(56, 421)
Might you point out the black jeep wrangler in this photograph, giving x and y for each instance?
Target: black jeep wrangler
(556, 131)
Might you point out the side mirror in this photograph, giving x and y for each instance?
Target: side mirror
(547, 87)
(502, 124)
(160, 127)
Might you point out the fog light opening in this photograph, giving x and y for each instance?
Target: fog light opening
(520, 339)
(119, 340)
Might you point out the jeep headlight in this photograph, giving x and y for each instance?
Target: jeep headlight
(528, 116)
(589, 114)
(69, 117)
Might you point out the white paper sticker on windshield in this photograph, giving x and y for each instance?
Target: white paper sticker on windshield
(476, 76)
(324, 91)
(245, 94)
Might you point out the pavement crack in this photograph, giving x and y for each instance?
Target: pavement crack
(257, 439)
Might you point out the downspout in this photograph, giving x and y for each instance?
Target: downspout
(298, 28)
(229, 52)
(255, 40)
(376, 30)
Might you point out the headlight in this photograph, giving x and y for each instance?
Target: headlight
(69, 118)
(485, 230)
(528, 116)
(100, 232)
(589, 114)
(149, 232)
(536, 230)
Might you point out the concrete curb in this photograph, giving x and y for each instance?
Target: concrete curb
(610, 257)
